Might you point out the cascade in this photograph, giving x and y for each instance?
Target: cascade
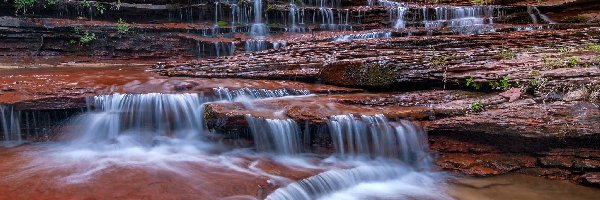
(258, 29)
(145, 119)
(141, 119)
(367, 181)
(296, 17)
(226, 94)
(398, 14)
(255, 45)
(280, 136)
(460, 19)
(383, 178)
(10, 125)
(534, 12)
(376, 136)
(210, 49)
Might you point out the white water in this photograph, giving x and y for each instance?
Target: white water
(534, 12)
(398, 171)
(259, 28)
(10, 126)
(280, 136)
(367, 180)
(376, 159)
(362, 36)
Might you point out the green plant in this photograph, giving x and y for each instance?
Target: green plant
(593, 47)
(221, 23)
(494, 84)
(87, 38)
(438, 61)
(100, 8)
(123, 27)
(86, 4)
(506, 54)
(77, 30)
(563, 49)
(573, 62)
(24, 4)
(49, 3)
(269, 8)
(504, 85)
(533, 82)
(477, 106)
(470, 82)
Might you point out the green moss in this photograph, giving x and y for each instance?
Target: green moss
(221, 23)
(372, 74)
(575, 19)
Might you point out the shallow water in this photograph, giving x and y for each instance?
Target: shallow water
(518, 186)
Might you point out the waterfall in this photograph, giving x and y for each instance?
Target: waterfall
(376, 136)
(280, 136)
(460, 19)
(327, 20)
(368, 181)
(147, 118)
(227, 94)
(399, 13)
(382, 178)
(255, 45)
(142, 119)
(215, 49)
(10, 124)
(258, 29)
(534, 12)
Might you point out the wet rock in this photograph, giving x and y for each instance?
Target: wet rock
(591, 178)
(512, 94)
(577, 95)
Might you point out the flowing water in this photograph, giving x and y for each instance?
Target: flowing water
(10, 126)
(130, 140)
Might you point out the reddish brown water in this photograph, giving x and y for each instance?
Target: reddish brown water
(33, 172)
(23, 84)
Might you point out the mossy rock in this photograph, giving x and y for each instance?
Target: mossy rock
(358, 73)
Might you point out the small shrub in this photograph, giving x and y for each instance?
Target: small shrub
(123, 27)
(563, 49)
(100, 8)
(87, 38)
(438, 61)
(24, 4)
(86, 4)
(472, 84)
(477, 106)
(269, 8)
(504, 85)
(593, 47)
(573, 62)
(49, 3)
